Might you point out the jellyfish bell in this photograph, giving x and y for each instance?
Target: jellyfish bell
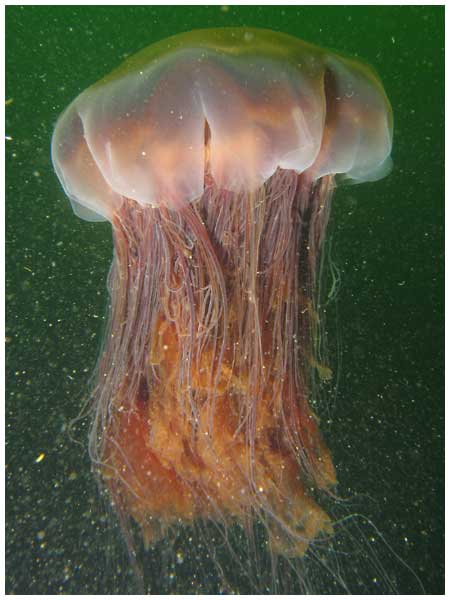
(214, 155)
(270, 101)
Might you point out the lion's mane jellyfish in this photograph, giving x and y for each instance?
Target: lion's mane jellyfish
(214, 156)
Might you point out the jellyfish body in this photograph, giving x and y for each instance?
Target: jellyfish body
(214, 155)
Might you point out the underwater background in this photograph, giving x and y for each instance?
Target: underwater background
(384, 421)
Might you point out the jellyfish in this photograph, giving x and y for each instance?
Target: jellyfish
(214, 154)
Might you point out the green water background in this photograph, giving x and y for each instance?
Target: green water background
(385, 426)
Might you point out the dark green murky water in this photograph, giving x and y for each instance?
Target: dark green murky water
(386, 423)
